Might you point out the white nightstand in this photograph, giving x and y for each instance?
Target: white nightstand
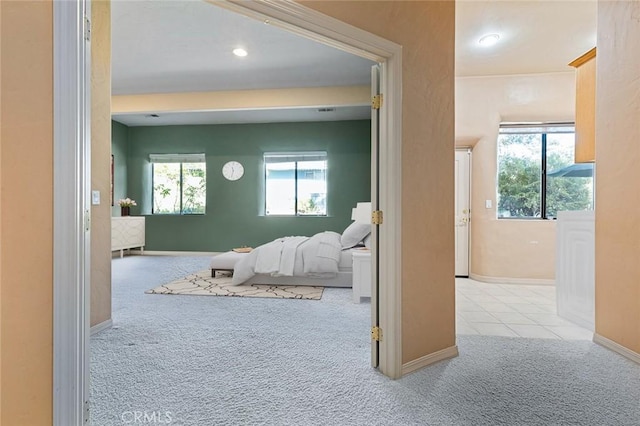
(361, 274)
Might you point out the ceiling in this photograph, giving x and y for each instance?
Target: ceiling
(163, 46)
(535, 36)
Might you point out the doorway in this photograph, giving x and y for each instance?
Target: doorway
(71, 60)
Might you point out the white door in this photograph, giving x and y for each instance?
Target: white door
(375, 205)
(462, 211)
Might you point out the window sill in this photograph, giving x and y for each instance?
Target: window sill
(175, 214)
(527, 219)
(294, 216)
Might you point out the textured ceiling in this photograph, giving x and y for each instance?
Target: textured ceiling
(536, 36)
(162, 46)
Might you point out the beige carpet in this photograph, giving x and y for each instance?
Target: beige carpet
(202, 284)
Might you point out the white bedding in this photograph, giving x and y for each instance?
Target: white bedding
(318, 256)
(346, 260)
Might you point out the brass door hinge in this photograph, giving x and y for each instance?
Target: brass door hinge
(87, 29)
(376, 334)
(376, 217)
(376, 102)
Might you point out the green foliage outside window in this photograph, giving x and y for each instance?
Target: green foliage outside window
(179, 188)
(520, 189)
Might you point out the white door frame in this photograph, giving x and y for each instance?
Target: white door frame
(72, 179)
(316, 26)
(71, 220)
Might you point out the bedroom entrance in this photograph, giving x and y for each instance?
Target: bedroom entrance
(71, 308)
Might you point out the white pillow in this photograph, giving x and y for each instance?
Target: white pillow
(354, 234)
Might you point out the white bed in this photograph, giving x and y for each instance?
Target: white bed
(342, 279)
(324, 259)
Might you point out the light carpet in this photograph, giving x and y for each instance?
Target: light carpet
(203, 284)
(252, 361)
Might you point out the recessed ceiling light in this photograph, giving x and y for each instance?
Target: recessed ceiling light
(488, 40)
(240, 52)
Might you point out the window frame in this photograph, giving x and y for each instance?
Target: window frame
(296, 157)
(543, 132)
(177, 159)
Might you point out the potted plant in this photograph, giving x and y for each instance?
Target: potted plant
(125, 205)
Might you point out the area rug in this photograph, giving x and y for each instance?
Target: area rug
(202, 284)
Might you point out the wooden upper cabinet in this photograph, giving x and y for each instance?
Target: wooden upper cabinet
(585, 107)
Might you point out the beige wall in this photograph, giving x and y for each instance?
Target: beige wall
(242, 99)
(26, 172)
(426, 32)
(522, 249)
(26, 198)
(618, 173)
(101, 161)
(0, 216)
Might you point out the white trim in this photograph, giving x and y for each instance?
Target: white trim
(102, 326)
(507, 280)
(71, 237)
(390, 201)
(306, 22)
(299, 19)
(175, 253)
(616, 347)
(416, 364)
(177, 158)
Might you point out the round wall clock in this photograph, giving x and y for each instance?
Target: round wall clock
(232, 170)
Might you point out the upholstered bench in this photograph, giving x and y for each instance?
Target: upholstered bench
(225, 262)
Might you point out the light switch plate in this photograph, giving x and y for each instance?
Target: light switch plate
(488, 204)
(95, 198)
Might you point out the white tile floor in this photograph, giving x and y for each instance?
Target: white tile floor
(512, 310)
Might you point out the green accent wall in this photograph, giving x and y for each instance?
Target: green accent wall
(119, 148)
(234, 213)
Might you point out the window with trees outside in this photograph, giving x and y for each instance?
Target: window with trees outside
(296, 183)
(179, 183)
(537, 176)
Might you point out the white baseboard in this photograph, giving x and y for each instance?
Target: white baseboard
(507, 280)
(102, 326)
(426, 360)
(175, 253)
(570, 315)
(616, 347)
